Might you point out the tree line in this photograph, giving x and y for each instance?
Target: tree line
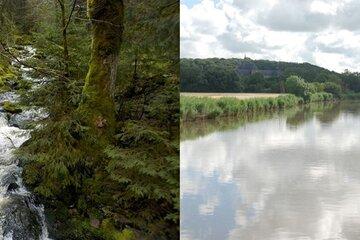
(221, 75)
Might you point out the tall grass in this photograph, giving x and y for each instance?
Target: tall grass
(321, 97)
(210, 108)
(295, 116)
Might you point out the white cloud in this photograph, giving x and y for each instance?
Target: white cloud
(324, 7)
(322, 32)
(256, 162)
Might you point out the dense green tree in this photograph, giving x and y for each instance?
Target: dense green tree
(297, 86)
(351, 81)
(333, 88)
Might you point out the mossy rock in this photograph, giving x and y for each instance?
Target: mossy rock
(11, 107)
(23, 40)
(7, 77)
(11, 81)
(22, 85)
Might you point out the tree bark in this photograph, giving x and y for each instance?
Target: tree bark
(98, 105)
(64, 36)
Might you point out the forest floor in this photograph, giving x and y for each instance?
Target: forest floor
(235, 95)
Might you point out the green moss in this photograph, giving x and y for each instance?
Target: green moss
(97, 107)
(11, 107)
(125, 235)
(23, 40)
(9, 79)
(113, 234)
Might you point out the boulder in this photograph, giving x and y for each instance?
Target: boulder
(21, 219)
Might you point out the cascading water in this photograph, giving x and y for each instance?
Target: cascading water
(20, 217)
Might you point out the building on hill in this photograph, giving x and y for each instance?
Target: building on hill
(247, 67)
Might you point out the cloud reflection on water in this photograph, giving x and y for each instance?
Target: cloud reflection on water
(274, 180)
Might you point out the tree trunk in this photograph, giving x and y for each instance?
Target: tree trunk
(98, 105)
(64, 36)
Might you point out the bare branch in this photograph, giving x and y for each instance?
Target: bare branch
(71, 13)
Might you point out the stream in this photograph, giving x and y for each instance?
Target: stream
(20, 217)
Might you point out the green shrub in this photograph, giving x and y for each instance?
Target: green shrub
(333, 88)
(297, 86)
(320, 97)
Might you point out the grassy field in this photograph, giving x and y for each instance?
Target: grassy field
(233, 95)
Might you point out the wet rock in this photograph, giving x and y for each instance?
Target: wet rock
(20, 219)
(12, 187)
(13, 84)
(8, 179)
(19, 47)
(23, 119)
(9, 96)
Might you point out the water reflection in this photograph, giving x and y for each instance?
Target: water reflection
(294, 175)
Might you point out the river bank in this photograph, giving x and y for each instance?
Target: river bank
(234, 95)
(199, 128)
(192, 108)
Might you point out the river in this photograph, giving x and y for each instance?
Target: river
(292, 174)
(20, 217)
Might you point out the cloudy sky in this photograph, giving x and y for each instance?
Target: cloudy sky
(321, 32)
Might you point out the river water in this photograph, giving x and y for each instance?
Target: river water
(20, 217)
(286, 175)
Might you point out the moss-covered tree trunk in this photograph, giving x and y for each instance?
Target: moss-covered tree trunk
(64, 35)
(107, 26)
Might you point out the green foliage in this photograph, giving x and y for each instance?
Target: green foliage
(221, 75)
(210, 108)
(333, 88)
(11, 107)
(319, 87)
(209, 75)
(351, 81)
(297, 86)
(130, 183)
(321, 97)
(311, 92)
(9, 79)
(351, 96)
(192, 108)
(6, 75)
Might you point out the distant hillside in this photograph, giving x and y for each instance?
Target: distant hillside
(246, 75)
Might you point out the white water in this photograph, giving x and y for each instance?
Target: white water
(10, 173)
